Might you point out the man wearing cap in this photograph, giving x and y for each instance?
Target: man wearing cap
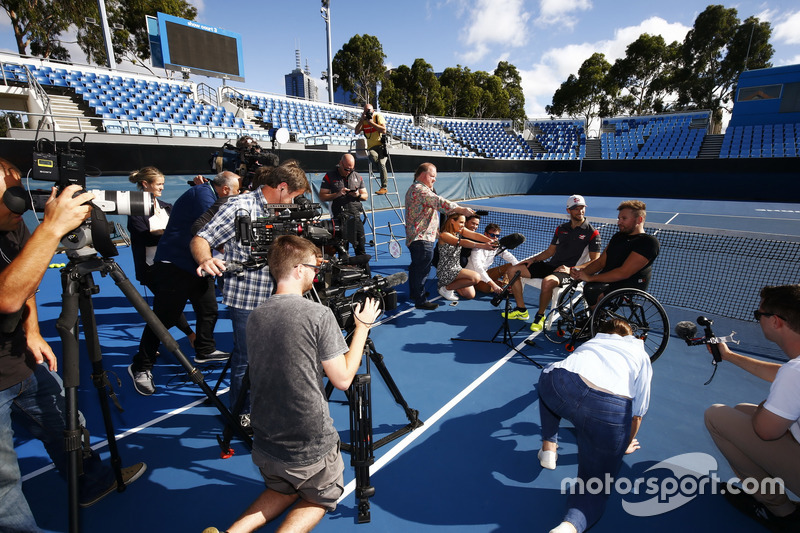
(569, 242)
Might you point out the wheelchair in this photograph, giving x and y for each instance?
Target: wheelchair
(571, 321)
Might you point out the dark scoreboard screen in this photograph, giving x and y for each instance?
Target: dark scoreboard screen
(200, 49)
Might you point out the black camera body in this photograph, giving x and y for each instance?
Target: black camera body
(293, 219)
(66, 167)
(368, 114)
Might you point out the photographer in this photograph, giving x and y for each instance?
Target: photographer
(31, 393)
(760, 441)
(173, 281)
(344, 188)
(244, 293)
(295, 444)
(373, 126)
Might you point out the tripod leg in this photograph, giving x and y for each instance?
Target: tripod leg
(169, 342)
(362, 452)
(67, 326)
(377, 359)
(225, 441)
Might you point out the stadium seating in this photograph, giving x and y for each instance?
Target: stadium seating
(673, 136)
(761, 140)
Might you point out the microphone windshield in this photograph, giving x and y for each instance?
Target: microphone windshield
(396, 279)
(512, 241)
(686, 329)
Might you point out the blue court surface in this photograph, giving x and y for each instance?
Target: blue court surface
(471, 467)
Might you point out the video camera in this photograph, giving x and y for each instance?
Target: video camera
(293, 219)
(244, 159)
(67, 167)
(333, 292)
(687, 330)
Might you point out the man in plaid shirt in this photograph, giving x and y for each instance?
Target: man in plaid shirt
(245, 292)
(423, 206)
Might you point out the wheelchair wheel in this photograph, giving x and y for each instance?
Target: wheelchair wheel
(643, 312)
(567, 318)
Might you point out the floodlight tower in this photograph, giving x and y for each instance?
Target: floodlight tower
(112, 62)
(326, 15)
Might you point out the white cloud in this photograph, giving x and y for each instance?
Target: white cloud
(493, 23)
(561, 12)
(787, 31)
(543, 78)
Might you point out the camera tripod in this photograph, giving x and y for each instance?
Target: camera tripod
(361, 447)
(78, 287)
(505, 327)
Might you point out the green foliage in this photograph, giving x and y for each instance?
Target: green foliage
(458, 92)
(130, 42)
(39, 24)
(654, 77)
(358, 67)
(589, 94)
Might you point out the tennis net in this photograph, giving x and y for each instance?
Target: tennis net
(713, 271)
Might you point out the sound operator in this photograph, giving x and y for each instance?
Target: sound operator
(295, 445)
(760, 441)
(244, 293)
(31, 393)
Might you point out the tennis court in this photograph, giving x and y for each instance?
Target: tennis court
(472, 466)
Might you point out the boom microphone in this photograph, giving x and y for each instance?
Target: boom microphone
(481, 212)
(509, 242)
(394, 280)
(686, 330)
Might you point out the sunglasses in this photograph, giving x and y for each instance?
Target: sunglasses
(315, 267)
(495, 235)
(757, 314)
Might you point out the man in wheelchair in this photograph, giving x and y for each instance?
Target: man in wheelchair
(566, 249)
(627, 260)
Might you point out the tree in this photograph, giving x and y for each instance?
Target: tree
(587, 95)
(645, 73)
(713, 55)
(459, 94)
(129, 35)
(358, 67)
(512, 84)
(492, 97)
(39, 24)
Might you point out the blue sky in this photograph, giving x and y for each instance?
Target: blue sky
(546, 39)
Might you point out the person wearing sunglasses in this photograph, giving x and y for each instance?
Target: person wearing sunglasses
(480, 260)
(760, 441)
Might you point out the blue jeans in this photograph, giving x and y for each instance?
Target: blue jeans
(37, 404)
(421, 257)
(239, 354)
(603, 425)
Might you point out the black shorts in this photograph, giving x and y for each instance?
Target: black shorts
(542, 269)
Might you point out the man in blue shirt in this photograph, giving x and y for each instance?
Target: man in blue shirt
(175, 281)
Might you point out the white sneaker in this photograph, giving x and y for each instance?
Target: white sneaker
(564, 527)
(547, 459)
(448, 295)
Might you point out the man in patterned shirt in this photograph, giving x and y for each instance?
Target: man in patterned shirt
(244, 293)
(423, 206)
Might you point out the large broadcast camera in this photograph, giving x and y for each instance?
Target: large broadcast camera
(244, 159)
(341, 283)
(687, 330)
(66, 167)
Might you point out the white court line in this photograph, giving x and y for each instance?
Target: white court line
(431, 421)
(124, 434)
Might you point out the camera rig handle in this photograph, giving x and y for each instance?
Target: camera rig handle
(687, 331)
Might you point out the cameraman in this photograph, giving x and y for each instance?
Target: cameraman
(760, 441)
(30, 390)
(244, 293)
(373, 126)
(344, 188)
(295, 445)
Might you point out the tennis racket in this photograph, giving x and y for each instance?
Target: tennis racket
(394, 246)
